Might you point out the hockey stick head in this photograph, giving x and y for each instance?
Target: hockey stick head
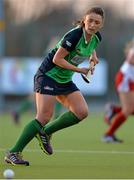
(85, 78)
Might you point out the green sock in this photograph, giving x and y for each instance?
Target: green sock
(65, 120)
(30, 130)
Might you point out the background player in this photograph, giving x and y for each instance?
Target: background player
(116, 115)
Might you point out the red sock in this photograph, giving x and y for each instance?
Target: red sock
(118, 120)
(116, 108)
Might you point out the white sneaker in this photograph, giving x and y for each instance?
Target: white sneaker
(111, 139)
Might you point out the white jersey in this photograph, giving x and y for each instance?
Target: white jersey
(125, 78)
(128, 70)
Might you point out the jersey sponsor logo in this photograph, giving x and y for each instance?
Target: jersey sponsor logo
(68, 43)
(48, 88)
(78, 59)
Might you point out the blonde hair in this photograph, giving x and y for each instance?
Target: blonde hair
(96, 10)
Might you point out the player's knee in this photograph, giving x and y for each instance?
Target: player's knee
(82, 114)
(43, 118)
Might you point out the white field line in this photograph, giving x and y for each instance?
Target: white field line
(80, 151)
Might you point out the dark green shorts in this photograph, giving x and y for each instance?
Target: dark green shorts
(46, 85)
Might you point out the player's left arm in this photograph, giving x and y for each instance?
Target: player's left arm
(93, 60)
(130, 56)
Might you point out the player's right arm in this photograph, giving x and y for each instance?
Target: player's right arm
(68, 44)
(59, 60)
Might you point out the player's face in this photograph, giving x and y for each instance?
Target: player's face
(93, 22)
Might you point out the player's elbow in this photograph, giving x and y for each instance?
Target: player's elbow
(55, 60)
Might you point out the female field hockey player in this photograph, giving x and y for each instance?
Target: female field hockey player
(115, 115)
(53, 81)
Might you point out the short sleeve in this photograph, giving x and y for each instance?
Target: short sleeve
(71, 39)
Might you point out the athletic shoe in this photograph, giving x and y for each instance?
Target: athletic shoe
(109, 113)
(44, 142)
(111, 139)
(15, 158)
(16, 117)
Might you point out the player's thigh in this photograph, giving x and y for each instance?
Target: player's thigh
(127, 102)
(45, 106)
(76, 103)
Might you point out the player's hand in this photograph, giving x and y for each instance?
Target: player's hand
(84, 70)
(95, 61)
(91, 69)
